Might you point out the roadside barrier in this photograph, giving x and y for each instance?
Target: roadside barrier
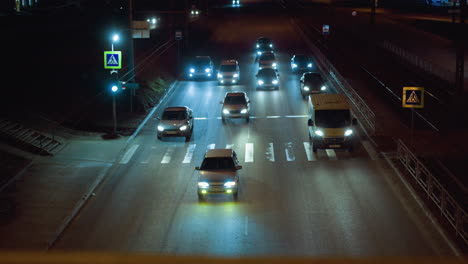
(435, 192)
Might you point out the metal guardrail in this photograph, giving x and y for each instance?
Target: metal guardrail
(440, 197)
(360, 108)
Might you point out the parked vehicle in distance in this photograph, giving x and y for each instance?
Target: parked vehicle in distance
(201, 68)
(218, 173)
(267, 60)
(235, 105)
(301, 62)
(330, 122)
(311, 83)
(267, 78)
(176, 121)
(228, 72)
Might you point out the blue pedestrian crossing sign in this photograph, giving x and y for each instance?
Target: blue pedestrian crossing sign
(112, 60)
(413, 97)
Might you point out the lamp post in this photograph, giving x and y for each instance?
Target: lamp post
(114, 87)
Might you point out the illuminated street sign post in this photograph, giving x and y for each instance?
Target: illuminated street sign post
(326, 29)
(178, 37)
(413, 97)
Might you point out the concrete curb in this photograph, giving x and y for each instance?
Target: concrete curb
(90, 192)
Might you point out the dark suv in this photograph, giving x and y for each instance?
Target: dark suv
(201, 68)
(313, 82)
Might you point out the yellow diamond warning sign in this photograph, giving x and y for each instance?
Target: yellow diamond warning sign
(413, 97)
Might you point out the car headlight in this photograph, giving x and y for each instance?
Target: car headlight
(274, 64)
(319, 133)
(258, 46)
(259, 53)
(229, 184)
(203, 185)
(260, 82)
(294, 65)
(235, 75)
(271, 45)
(225, 111)
(183, 128)
(306, 88)
(323, 88)
(275, 82)
(348, 132)
(244, 111)
(160, 128)
(207, 70)
(309, 65)
(220, 75)
(192, 70)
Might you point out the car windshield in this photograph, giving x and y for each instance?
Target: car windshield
(227, 68)
(267, 57)
(332, 118)
(301, 59)
(267, 73)
(263, 41)
(201, 63)
(235, 100)
(313, 78)
(218, 164)
(174, 115)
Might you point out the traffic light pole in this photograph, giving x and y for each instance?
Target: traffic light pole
(131, 62)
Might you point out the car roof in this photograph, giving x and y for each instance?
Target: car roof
(266, 70)
(202, 58)
(235, 94)
(219, 153)
(229, 62)
(176, 108)
(312, 74)
(263, 39)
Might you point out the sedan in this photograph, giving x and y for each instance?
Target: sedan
(301, 62)
(267, 78)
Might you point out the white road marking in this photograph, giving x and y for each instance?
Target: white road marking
(331, 154)
(270, 152)
(295, 116)
(128, 155)
(370, 150)
(201, 118)
(310, 156)
(167, 156)
(246, 230)
(153, 147)
(211, 146)
(273, 117)
(249, 152)
(189, 153)
(229, 146)
(289, 152)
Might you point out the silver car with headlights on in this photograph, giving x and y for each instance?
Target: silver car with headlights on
(235, 105)
(176, 122)
(218, 173)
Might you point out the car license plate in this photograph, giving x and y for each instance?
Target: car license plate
(335, 146)
(171, 132)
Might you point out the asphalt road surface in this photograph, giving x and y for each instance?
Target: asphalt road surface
(292, 202)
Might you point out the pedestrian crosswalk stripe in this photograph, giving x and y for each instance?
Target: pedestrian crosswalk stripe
(189, 153)
(289, 152)
(331, 154)
(167, 156)
(249, 154)
(310, 156)
(270, 152)
(211, 146)
(128, 155)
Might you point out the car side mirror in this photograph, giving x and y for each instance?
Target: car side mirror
(197, 168)
(310, 122)
(221, 102)
(278, 74)
(248, 101)
(239, 167)
(354, 122)
(256, 75)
